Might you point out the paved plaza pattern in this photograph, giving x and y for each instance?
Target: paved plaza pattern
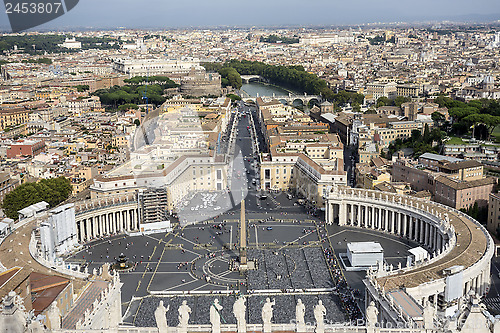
(295, 255)
(291, 258)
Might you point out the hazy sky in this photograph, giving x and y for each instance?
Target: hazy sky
(194, 13)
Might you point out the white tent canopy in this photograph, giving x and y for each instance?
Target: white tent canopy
(32, 210)
(419, 254)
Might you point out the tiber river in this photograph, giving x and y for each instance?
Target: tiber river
(254, 88)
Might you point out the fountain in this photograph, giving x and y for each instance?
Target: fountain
(122, 263)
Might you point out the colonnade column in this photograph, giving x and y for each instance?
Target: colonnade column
(113, 222)
(410, 227)
(432, 232)
(393, 221)
(381, 225)
(421, 231)
(104, 218)
(118, 223)
(104, 227)
(371, 218)
(405, 224)
(136, 219)
(379, 218)
(342, 213)
(129, 220)
(124, 221)
(97, 226)
(82, 234)
(358, 215)
(88, 228)
(434, 237)
(366, 217)
(428, 234)
(388, 220)
(108, 223)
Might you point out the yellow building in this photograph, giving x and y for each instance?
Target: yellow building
(13, 117)
(368, 177)
(120, 140)
(399, 130)
(277, 171)
(463, 170)
(408, 90)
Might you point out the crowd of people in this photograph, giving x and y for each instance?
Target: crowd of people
(346, 293)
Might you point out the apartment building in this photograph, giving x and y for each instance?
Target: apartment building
(369, 177)
(399, 130)
(29, 148)
(463, 194)
(13, 117)
(277, 170)
(381, 89)
(313, 181)
(494, 213)
(458, 184)
(151, 67)
(408, 90)
(189, 173)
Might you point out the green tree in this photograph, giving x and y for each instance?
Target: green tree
(278, 39)
(232, 76)
(234, 97)
(53, 191)
(416, 135)
(82, 87)
(128, 107)
(427, 134)
(382, 101)
(400, 100)
(438, 118)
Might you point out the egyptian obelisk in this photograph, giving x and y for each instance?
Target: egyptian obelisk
(243, 235)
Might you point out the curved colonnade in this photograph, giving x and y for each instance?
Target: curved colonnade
(450, 237)
(106, 216)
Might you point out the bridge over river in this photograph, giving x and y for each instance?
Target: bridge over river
(290, 99)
